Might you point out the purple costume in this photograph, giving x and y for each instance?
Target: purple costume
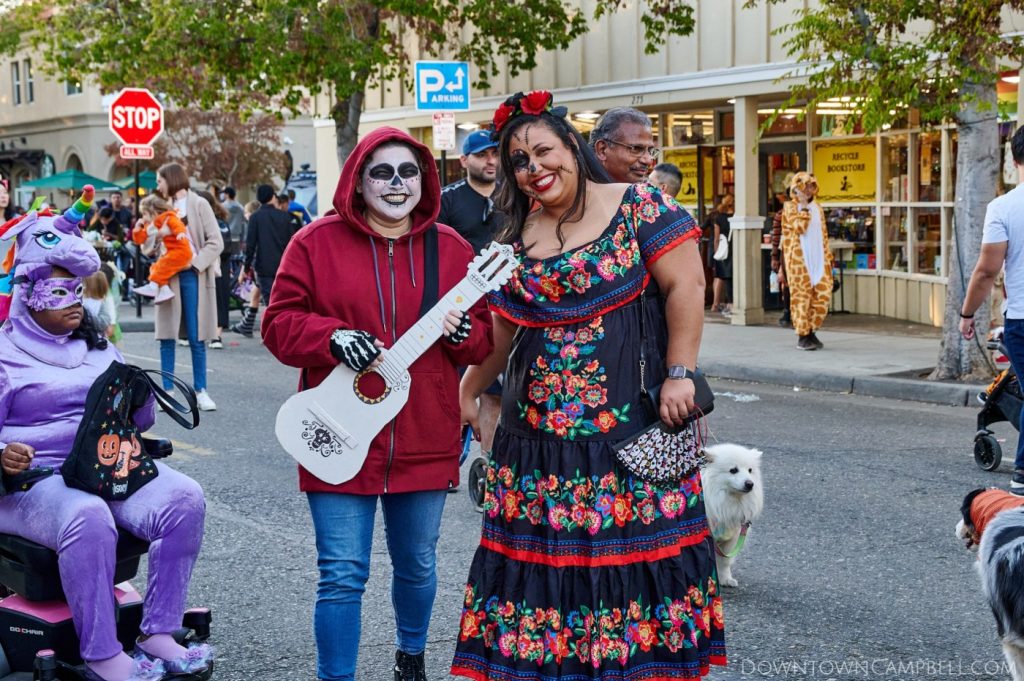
(44, 380)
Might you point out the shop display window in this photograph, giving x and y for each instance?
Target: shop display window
(895, 167)
(894, 224)
(857, 226)
(928, 240)
(791, 122)
(692, 127)
(929, 171)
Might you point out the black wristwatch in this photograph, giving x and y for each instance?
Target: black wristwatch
(679, 372)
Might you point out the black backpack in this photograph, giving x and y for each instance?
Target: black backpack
(108, 458)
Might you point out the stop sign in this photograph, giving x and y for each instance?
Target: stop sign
(136, 117)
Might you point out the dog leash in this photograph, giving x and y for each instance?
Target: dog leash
(739, 543)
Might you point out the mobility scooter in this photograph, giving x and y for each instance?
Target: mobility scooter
(37, 637)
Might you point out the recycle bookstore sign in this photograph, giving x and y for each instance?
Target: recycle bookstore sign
(845, 170)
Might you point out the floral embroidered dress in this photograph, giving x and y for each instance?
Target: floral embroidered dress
(583, 571)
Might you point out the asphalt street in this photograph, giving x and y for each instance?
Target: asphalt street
(852, 572)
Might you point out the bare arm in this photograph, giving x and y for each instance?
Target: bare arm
(680, 277)
(477, 378)
(990, 262)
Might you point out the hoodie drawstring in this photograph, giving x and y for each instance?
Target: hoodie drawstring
(376, 276)
(412, 268)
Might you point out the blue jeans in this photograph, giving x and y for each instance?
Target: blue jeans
(188, 290)
(344, 537)
(1013, 339)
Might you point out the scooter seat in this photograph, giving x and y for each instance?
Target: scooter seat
(30, 569)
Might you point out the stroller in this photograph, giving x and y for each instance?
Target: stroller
(1001, 401)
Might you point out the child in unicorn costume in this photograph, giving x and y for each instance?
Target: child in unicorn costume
(50, 355)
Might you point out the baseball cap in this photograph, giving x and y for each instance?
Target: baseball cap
(477, 141)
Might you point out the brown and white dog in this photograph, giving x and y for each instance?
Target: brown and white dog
(993, 520)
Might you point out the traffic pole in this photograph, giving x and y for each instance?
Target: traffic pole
(138, 247)
(444, 168)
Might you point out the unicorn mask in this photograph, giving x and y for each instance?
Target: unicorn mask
(45, 241)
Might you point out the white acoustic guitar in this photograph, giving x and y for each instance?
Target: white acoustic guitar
(328, 429)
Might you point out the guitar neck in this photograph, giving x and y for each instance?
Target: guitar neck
(429, 328)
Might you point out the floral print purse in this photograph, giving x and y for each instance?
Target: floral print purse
(658, 454)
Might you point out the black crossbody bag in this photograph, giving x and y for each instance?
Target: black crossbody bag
(660, 454)
(108, 458)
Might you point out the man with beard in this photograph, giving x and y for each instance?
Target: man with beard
(467, 206)
(349, 285)
(623, 141)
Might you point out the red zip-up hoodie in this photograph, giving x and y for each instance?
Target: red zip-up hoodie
(337, 273)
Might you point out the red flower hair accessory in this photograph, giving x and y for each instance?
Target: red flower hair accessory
(532, 103)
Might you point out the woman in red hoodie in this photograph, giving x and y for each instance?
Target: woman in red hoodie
(350, 285)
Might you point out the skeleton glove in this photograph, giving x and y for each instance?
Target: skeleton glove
(461, 332)
(354, 348)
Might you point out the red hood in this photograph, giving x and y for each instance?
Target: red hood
(350, 204)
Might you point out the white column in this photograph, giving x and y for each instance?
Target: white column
(1020, 97)
(746, 224)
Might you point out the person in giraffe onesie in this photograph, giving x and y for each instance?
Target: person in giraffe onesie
(808, 260)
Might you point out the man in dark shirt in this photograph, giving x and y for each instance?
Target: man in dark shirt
(467, 205)
(270, 230)
(468, 208)
(122, 214)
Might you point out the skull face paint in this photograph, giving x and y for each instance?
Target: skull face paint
(391, 183)
(54, 294)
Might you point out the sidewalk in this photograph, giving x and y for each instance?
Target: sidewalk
(863, 354)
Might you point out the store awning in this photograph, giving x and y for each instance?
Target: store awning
(71, 180)
(147, 180)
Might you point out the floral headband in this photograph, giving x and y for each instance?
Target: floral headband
(531, 104)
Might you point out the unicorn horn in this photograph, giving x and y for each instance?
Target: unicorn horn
(77, 212)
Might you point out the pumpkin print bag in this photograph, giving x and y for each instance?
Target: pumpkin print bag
(108, 458)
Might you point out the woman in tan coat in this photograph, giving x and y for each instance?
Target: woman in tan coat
(194, 306)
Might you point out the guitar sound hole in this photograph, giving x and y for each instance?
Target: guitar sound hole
(371, 387)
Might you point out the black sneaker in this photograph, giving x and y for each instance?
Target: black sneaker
(818, 345)
(1017, 482)
(785, 321)
(805, 343)
(217, 344)
(409, 667)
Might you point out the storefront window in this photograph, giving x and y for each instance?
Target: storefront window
(894, 222)
(694, 127)
(895, 166)
(857, 226)
(929, 173)
(928, 240)
(791, 122)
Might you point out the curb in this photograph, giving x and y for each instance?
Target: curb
(956, 395)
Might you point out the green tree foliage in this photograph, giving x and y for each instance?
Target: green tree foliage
(269, 54)
(940, 58)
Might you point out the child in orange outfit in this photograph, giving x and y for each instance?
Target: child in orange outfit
(160, 219)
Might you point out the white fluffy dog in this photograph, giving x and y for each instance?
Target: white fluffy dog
(733, 498)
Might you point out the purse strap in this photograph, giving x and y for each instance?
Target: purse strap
(643, 340)
(172, 407)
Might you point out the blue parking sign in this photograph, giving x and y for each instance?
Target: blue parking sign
(442, 85)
